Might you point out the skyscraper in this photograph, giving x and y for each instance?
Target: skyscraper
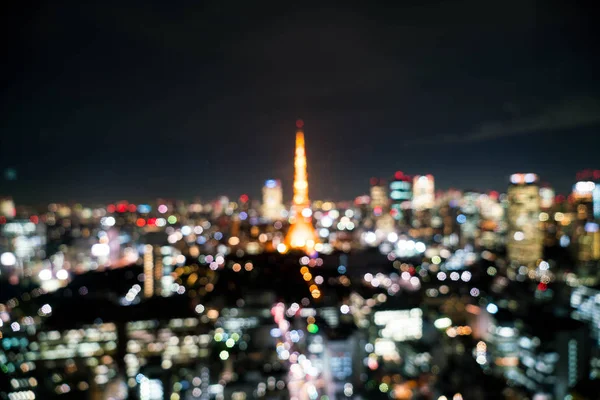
(423, 192)
(400, 195)
(272, 200)
(302, 234)
(524, 241)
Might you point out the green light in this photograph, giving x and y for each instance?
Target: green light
(312, 328)
(172, 219)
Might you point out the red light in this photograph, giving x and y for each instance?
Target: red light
(121, 208)
(140, 222)
(542, 287)
(377, 210)
(299, 124)
(244, 198)
(110, 208)
(151, 221)
(34, 219)
(2, 219)
(494, 195)
(399, 175)
(132, 208)
(560, 198)
(596, 174)
(374, 181)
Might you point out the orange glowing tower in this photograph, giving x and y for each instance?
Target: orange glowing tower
(302, 234)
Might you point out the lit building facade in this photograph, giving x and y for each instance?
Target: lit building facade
(400, 196)
(423, 192)
(272, 206)
(524, 241)
(379, 197)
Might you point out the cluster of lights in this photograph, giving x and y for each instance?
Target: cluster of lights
(459, 331)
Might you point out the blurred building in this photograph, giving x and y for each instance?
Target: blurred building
(7, 208)
(272, 205)
(400, 196)
(423, 192)
(379, 197)
(524, 241)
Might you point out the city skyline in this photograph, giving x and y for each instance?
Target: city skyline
(205, 104)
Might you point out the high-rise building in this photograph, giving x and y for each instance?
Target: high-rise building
(400, 195)
(148, 271)
(272, 206)
(7, 208)
(524, 241)
(302, 234)
(423, 192)
(379, 197)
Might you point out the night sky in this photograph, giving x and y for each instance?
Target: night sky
(138, 100)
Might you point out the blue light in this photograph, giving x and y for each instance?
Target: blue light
(342, 269)
(564, 241)
(270, 183)
(461, 219)
(243, 215)
(492, 308)
(144, 208)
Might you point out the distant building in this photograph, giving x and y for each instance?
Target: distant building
(7, 208)
(400, 196)
(423, 192)
(272, 206)
(379, 197)
(524, 241)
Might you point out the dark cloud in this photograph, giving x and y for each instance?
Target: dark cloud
(569, 114)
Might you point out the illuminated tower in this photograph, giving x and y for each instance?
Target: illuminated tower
(302, 234)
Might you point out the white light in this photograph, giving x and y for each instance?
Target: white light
(530, 178)
(492, 308)
(307, 212)
(466, 276)
(506, 332)
(370, 237)
(100, 250)
(109, 221)
(392, 237)
(224, 355)
(344, 309)
(544, 266)
(442, 323)
(584, 187)
(15, 326)
(45, 274)
(519, 236)
(8, 259)
(62, 274)
(420, 247)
